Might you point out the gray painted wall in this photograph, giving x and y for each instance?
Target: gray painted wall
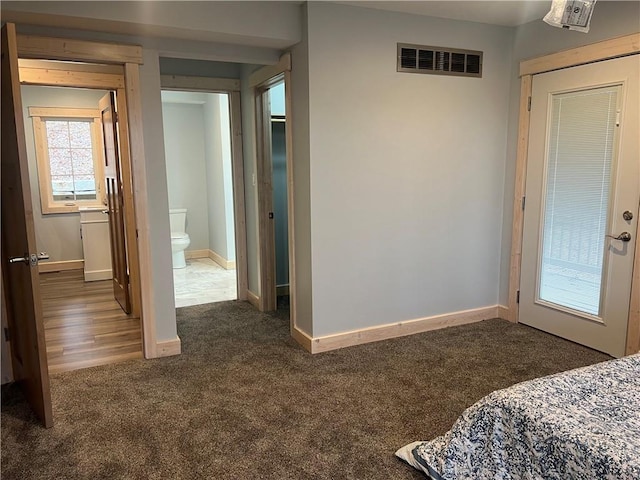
(56, 234)
(610, 20)
(215, 184)
(184, 145)
(407, 170)
(199, 68)
(266, 24)
(218, 175)
(227, 175)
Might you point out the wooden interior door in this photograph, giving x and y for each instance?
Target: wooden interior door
(19, 258)
(115, 202)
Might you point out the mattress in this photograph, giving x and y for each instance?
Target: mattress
(580, 424)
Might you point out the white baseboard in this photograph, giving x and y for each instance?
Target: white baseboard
(393, 330)
(48, 267)
(253, 299)
(189, 254)
(168, 348)
(503, 312)
(98, 275)
(220, 260)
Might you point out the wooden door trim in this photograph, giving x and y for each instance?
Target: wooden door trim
(633, 327)
(518, 198)
(600, 51)
(239, 214)
(232, 88)
(266, 231)
(290, 200)
(70, 78)
(260, 81)
(262, 76)
(595, 52)
(54, 48)
(143, 278)
(108, 60)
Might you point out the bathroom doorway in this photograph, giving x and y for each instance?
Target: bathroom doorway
(198, 153)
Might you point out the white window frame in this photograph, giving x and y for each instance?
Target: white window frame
(39, 116)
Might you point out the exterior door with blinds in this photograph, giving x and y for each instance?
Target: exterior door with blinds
(582, 198)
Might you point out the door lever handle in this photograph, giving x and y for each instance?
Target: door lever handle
(30, 259)
(24, 259)
(624, 236)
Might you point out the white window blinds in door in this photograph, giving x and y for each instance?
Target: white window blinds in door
(579, 169)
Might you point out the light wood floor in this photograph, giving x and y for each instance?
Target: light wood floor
(84, 326)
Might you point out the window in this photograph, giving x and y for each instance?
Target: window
(69, 157)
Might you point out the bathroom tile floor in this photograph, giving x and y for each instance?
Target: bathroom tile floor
(203, 281)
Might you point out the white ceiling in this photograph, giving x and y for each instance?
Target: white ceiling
(507, 13)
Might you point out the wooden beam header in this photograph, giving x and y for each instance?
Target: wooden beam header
(596, 52)
(51, 48)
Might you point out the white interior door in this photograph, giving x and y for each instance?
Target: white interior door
(582, 197)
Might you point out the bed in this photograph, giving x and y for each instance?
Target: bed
(580, 424)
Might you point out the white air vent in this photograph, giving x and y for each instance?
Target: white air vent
(439, 60)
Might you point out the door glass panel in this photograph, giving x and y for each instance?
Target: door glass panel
(576, 201)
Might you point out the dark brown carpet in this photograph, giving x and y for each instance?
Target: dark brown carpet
(244, 401)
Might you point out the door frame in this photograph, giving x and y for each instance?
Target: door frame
(117, 69)
(596, 52)
(259, 82)
(264, 174)
(232, 88)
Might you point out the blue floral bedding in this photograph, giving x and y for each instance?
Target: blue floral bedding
(581, 424)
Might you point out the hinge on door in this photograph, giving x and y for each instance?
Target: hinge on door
(518, 296)
(529, 104)
(523, 202)
(270, 215)
(115, 116)
(136, 233)
(7, 337)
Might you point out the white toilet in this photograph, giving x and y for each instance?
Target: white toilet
(179, 238)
